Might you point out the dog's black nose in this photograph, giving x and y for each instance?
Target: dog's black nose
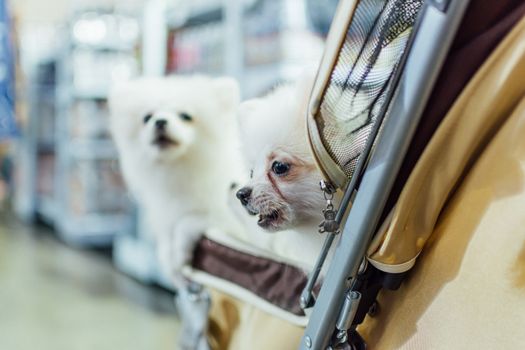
(160, 124)
(244, 195)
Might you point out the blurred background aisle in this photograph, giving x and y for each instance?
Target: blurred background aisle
(56, 297)
(77, 268)
(62, 168)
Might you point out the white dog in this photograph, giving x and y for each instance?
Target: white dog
(283, 189)
(175, 138)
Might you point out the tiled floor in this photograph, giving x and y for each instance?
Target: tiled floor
(53, 297)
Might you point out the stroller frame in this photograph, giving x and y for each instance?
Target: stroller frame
(433, 34)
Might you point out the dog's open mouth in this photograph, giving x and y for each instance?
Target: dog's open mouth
(270, 220)
(164, 141)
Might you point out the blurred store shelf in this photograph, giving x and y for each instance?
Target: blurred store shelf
(259, 42)
(91, 94)
(70, 170)
(68, 173)
(47, 209)
(95, 230)
(93, 149)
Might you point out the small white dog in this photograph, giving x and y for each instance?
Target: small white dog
(175, 138)
(283, 189)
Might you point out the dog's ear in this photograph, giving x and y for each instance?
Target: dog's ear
(246, 108)
(227, 90)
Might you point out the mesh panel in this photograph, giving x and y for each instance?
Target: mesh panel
(359, 82)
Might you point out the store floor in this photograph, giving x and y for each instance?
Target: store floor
(53, 297)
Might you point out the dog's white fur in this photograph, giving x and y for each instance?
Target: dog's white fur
(181, 184)
(273, 128)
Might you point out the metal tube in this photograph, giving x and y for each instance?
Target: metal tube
(306, 300)
(433, 37)
(349, 194)
(350, 305)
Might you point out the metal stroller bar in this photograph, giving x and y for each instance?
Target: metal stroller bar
(435, 30)
(307, 298)
(345, 8)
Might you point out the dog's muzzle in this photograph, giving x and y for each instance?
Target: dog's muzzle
(161, 137)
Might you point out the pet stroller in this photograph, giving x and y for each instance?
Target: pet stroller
(373, 85)
(407, 101)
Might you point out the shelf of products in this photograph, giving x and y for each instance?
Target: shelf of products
(36, 148)
(274, 39)
(102, 48)
(196, 49)
(71, 175)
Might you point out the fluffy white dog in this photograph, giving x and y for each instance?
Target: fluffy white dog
(175, 137)
(283, 189)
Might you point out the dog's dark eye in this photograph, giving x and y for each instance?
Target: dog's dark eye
(186, 117)
(147, 117)
(280, 168)
(251, 174)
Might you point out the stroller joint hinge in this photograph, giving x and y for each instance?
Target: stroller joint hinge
(329, 224)
(348, 310)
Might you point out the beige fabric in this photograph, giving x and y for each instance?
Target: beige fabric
(248, 297)
(480, 109)
(467, 290)
(237, 325)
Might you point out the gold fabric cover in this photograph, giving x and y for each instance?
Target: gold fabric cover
(467, 290)
(482, 107)
(238, 325)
